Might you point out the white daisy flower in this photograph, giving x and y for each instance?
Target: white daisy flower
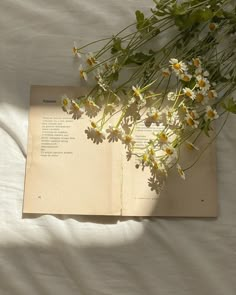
(91, 108)
(200, 72)
(197, 62)
(191, 146)
(75, 110)
(205, 74)
(211, 114)
(212, 94)
(213, 26)
(193, 114)
(65, 103)
(185, 77)
(90, 59)
(115, 133)
(171, 117)
(153, 116)
(93, 133)
(178, 66)
(201, 97)
(82, 73)
(171, 96)
(145, 159)
(166, 72)
(180, 171)
(76, 50)
(189, 93)
(190, 121)
(202, 83)
(170, 151)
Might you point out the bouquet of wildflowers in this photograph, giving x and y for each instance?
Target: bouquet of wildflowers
(178, 88)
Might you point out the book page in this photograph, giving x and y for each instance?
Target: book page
(68, 174)
(65, 172)
(194, 197)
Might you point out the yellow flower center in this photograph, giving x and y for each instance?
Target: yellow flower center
(196, 62)
(188, 93)
(210, 94)
(91, 61)
(74, 49)
(189, 146)
(185, 78)
(65, 102)
(199, 97)
(211, 114)
(93, 124)
(136, 92)
(81, 73)
(145, 158)
(169, 151)
(177, 66)
(163, 137)
(202, 83)
(155, 117)
(212, 26)
(190, 121)
(152, 152)
(169, 114)
(166, 74)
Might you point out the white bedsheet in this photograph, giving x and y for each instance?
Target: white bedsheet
(88, 255)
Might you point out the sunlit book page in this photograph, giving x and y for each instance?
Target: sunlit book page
(196, 196)
(68, 174)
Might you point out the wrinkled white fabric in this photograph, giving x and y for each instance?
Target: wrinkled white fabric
(88, 255)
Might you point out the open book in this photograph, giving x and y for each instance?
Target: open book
(68, 174)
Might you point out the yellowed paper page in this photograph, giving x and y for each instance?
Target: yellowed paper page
(66, 173)
(194, 197)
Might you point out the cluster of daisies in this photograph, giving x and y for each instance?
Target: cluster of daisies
(171, 118)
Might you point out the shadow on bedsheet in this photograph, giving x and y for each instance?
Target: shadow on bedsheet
(111, 219)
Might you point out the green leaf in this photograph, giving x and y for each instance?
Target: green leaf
(138, 58)
(230, 105)
(140, 19)
(139, 16)
(179, 9)
(144, 25)
(116, 45)
(206, 127)
(185, 20)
